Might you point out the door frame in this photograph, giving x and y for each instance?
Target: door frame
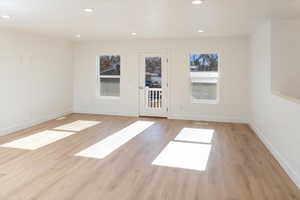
(165, 56)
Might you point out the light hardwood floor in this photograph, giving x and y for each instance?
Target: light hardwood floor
(239, 166)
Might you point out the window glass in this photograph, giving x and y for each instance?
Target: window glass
(153, 72)
(110, 65)
(109, 75)
(204, 73)
(110, 87)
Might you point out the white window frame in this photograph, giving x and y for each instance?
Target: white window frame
(205, 101)
(98, 93)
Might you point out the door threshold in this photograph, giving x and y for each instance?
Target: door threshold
(155, 117)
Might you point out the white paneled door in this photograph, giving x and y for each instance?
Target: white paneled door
(153, 85)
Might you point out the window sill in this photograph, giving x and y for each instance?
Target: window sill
(287, 97)
(196, 101)
(108, 98)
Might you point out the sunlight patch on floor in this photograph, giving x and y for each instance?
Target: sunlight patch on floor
(189, 150)
(106, 146)
(184, 155)
(77, 126)
(195, 135)
(37, 140)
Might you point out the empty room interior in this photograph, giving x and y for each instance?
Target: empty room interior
(149, 100)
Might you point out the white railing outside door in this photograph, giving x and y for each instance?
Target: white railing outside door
(153, 98)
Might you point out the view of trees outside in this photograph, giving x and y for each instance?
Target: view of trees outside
(204, 76)
(204, 62)
(153, 72)
(110, 65)
(109, 75)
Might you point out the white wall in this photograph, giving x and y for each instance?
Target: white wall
(35, 79)
(274, 119)
(285, 47)
(36, 76)
(234, 61)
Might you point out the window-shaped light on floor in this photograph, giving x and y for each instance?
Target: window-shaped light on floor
(106, 146)
(77, 126)
(195, 135)
(192, 156)
(37, 140)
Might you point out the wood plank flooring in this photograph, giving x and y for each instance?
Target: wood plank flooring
(239, 166)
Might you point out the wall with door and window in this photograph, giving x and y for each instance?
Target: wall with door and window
(207, 79)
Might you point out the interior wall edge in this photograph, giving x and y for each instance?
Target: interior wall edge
(280, 159)
(28, 124)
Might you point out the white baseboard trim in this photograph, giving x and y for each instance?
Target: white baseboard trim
(28, 124)
(229, 119)
(281, 160)
(104, 113)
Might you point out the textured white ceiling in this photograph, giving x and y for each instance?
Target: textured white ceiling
(116, 19)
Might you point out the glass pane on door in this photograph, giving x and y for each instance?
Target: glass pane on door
(153, 82)
(153, 72)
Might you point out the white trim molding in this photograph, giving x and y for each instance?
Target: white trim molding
(280, 159)
(212, 118)
(99, 77)
(123, 114)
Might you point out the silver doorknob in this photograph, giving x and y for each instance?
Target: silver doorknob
(141, 87)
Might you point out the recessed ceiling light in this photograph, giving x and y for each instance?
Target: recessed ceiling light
(5, 17)
(89, 10)
(78, 36)
(200, 31)
(133, 33)
(197, 2)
